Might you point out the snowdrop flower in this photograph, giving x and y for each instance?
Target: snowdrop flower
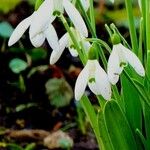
(95, 77)
(40, 27)
(60, 5)
(66, 42)
(119, 58)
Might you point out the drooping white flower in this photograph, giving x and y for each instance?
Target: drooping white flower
(40, 27)
(60, 5)
(119, 58)
(66, 42)
(96, 78)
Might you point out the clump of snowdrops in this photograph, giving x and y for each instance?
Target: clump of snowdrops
(123, 119)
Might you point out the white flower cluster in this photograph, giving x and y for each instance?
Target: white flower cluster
(41, 28)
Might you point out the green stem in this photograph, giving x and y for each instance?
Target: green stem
(132, 26)
(92, 16)
(86, 18)
(89, 110)
(73, 38)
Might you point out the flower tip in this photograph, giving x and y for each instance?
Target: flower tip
(10, 43)
(77, 97)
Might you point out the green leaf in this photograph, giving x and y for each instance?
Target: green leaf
(17, 65)
(5, 29)
(14, 147)
(118, 128)
(22, 107)
(37, 54)
(38, 4)
(106, 143)
(133, 109)
(30, 146)
(59, 92)
(7, 5)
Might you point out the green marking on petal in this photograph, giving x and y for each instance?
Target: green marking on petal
(92, 80)
(123, 64)
(56, 13)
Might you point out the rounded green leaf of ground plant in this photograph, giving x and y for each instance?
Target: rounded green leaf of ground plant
(17, 65)
(38, 54)
(118, 127)
(59, 92)
(5, 29)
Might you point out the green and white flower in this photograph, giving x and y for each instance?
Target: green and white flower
(119, 58)
(96, 78)
(66, 42)
(40, 27)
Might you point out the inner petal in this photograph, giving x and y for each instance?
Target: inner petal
(58, 7)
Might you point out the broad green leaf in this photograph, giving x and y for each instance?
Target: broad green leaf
(59, 92)
(146, 112)
(118, 128)
(5, 29)
(17, 65)
(106, 143)
(133, 109)
(37, 54)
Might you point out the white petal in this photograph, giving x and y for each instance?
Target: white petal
(81, 83)
(19, 30)
(87, 46)
(133, 60)
(85, 4)
(73, 52)
(38, 40)
(75, 17)
(94, 88)
(103, 84)
(52, 38)
(55, 55)
(42, 18)
(113, 66)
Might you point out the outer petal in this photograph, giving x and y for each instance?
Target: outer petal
(86, 45)
(75, 17)
(52, 38)
(19, 30)
(55, 55)
(42, 18)
(81, 83)
(103, 84)
(73, 52)
(133, 60)
(38, 40)
(113, 66)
